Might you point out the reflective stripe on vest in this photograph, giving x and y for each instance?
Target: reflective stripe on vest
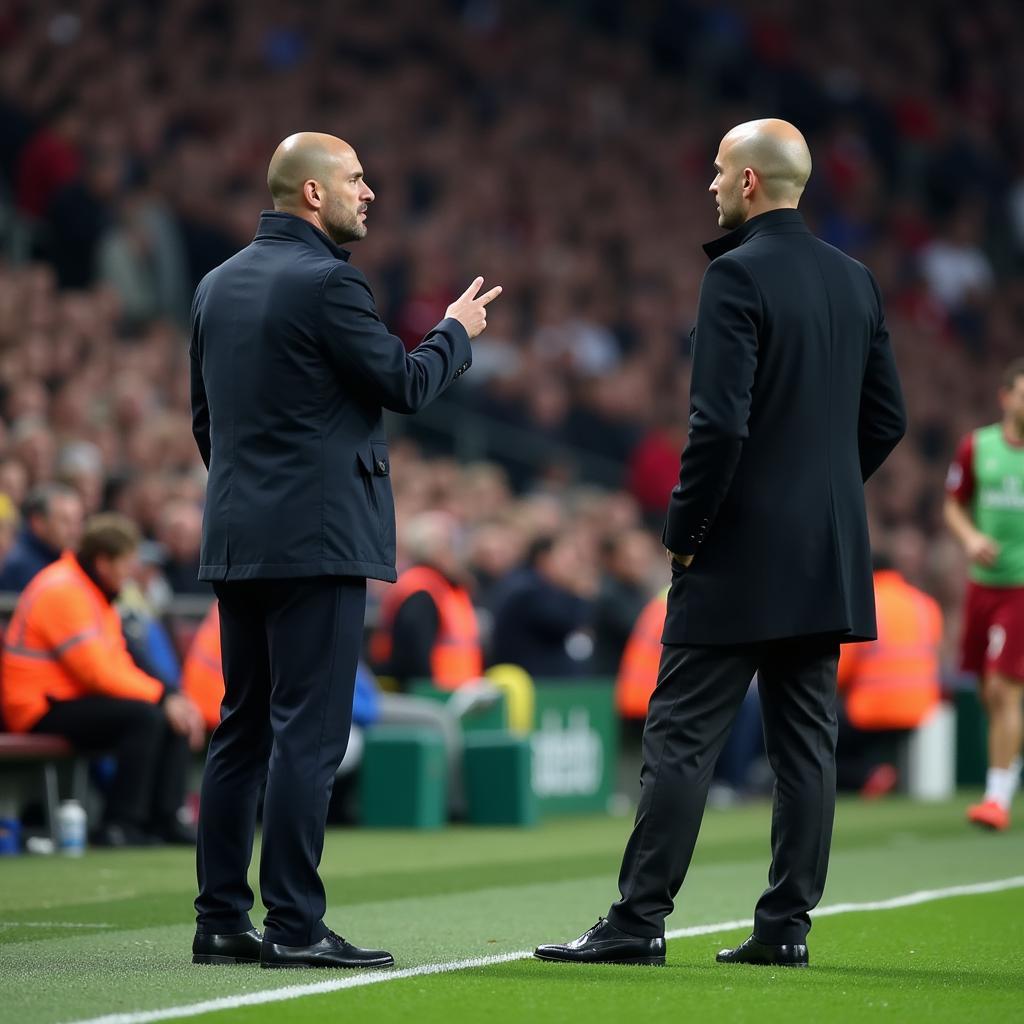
(53, 653)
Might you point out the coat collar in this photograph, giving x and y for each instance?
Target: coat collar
(278, 224)
(774, 222)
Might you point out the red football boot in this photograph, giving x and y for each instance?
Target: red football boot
(989, 814)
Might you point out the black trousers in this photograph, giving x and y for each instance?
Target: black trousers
(697, 697)
(152, 760)
(290, 649)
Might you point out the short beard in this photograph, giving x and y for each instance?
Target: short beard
(730, 217)
(345, 227)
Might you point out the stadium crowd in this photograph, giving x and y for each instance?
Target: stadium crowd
(135, 140)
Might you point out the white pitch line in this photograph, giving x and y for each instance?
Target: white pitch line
(52, 924)
(277, 995)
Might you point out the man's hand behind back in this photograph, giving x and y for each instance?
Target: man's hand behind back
(470, 309)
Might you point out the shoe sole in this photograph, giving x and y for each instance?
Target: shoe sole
(988, 826)
(323, 966)
(756, 963)
(211, 960)
(639, 961)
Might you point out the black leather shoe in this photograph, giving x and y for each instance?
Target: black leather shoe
(331, 951)
(605, 944)
(750, 951)
(237, 948)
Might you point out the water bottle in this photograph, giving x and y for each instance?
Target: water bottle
(71, 827)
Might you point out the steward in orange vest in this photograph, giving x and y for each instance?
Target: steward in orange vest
(638, 670)
(66, 670)
(202, 675)
(893, 682)
(428, 629)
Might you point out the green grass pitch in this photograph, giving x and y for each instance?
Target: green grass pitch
(109, 935)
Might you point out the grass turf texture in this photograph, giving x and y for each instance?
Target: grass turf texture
(462, 893)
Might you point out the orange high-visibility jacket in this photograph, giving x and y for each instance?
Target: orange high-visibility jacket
(457, 656)
(202, 675)
(638, 670)
(893, 682)
(65, 642)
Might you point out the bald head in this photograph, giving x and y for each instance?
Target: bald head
(301, 157)
(318, 177)
(762, 165)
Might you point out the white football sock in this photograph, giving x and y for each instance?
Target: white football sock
(1000, 784)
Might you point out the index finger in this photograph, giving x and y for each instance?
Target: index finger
(471, 291)
(491, 295)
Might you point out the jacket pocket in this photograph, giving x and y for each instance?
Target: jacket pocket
(376, 466)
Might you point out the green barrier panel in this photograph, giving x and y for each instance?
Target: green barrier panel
(497, 772)
(575, 746)
(403, 780)
(971, 739)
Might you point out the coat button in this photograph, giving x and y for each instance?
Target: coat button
(381, 465)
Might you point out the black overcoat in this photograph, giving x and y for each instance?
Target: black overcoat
(794, 402)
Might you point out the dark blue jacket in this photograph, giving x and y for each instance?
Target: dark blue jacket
(24, 560)
(291, 370)
(532, 621)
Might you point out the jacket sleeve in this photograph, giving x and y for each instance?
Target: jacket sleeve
(68, 623)
(200, 406)
(359, 344)
(722, 379)
(882, 421)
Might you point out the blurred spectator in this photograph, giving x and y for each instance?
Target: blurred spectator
(77, 218)
(637, 672)
(180, 531)
(629, 560)
(544, 608)
(53, 524)
(427, 626)
(889, 686)
(66, 671)
(8, 526)
(202, 675)
(14, 481)
(50, 159)
(143, 258)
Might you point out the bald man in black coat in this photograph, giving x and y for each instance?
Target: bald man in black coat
(794, 403)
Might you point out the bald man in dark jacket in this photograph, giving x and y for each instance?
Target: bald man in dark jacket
(291, 371)
(794, 403)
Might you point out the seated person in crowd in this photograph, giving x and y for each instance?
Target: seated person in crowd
(428, 627)
(544, 608)
(627, 559)
(66, 671)
(888, 687)
(53, 523)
